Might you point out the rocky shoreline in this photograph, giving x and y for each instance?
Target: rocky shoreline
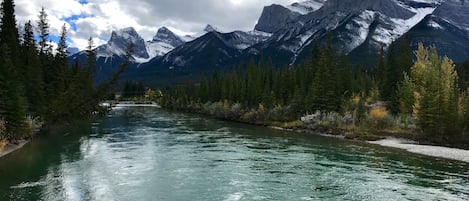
(394, 141)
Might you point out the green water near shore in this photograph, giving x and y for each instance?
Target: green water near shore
(151, 154)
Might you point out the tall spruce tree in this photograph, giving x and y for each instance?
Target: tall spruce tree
(406, 98)
(324, 86)
(34, 85)
(9, 31)
(47, 62)
(380, 72)
(43, 28)
(12, 101)
(393, 75)
(465, 117)
(91, 57)
(61, 61)
(404, 62)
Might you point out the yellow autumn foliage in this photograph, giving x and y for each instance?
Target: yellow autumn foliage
(3, 143)
(378, 113)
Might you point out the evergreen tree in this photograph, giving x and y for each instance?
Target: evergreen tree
(324, 86)
(34, 85)
(12, 101)
(61, 61)
(43, 26)
(393, 74)
(9, 31)
(463, 73)
(380, 76)
(61, 51)
(465, 117)
(91, 57)
(344, 80)
(406, 98)
(405, 56)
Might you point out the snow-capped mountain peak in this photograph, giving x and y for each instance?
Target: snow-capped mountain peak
(167, 36)
(286, 34)
(162, 32)
(208, 28)
(119, 42)
(163, 42)
(129, 34)
(211, 28)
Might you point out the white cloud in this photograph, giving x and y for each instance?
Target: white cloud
(99, 17)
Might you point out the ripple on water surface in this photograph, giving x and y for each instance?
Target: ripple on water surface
(150, 154)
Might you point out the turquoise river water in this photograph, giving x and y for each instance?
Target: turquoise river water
(144, 153)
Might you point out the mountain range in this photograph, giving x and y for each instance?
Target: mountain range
(286, 34)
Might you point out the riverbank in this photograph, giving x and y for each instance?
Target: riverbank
(392, 141)
(428, 150)
(411, 140)
(9, 147)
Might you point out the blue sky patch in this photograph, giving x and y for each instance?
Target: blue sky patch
(83, 2)
(72, 20)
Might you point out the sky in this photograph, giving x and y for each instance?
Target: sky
(97, 18)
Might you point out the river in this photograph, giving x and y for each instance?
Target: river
(152, 154)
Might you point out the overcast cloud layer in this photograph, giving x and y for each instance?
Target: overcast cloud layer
(97, 18)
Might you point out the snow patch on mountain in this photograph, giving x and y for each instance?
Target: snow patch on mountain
(120, 41)
(434, 24)
(429, 1)
(259, 33)
(455, 12)
(163, 42)
(156, 49)
(306, 7)
(128, 34)
(386, 35)
(211, 28)
(402, 26)
(359, 28)
(208, 28)
(242, 40)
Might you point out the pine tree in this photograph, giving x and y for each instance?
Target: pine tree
(393, 77)
(59, 71)
(12, 101)
(43, 26)
(381, 72)
(61, 51)
(61, 61)
(34, 85)
(91, 57)
(324, 89)
(9, 31)
(405, 57)
(344, 80)
(465, 117)
(406, 98)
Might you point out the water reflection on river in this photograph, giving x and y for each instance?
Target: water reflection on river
(151, 154)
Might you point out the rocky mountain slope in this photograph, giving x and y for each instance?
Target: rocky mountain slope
(286, 35)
